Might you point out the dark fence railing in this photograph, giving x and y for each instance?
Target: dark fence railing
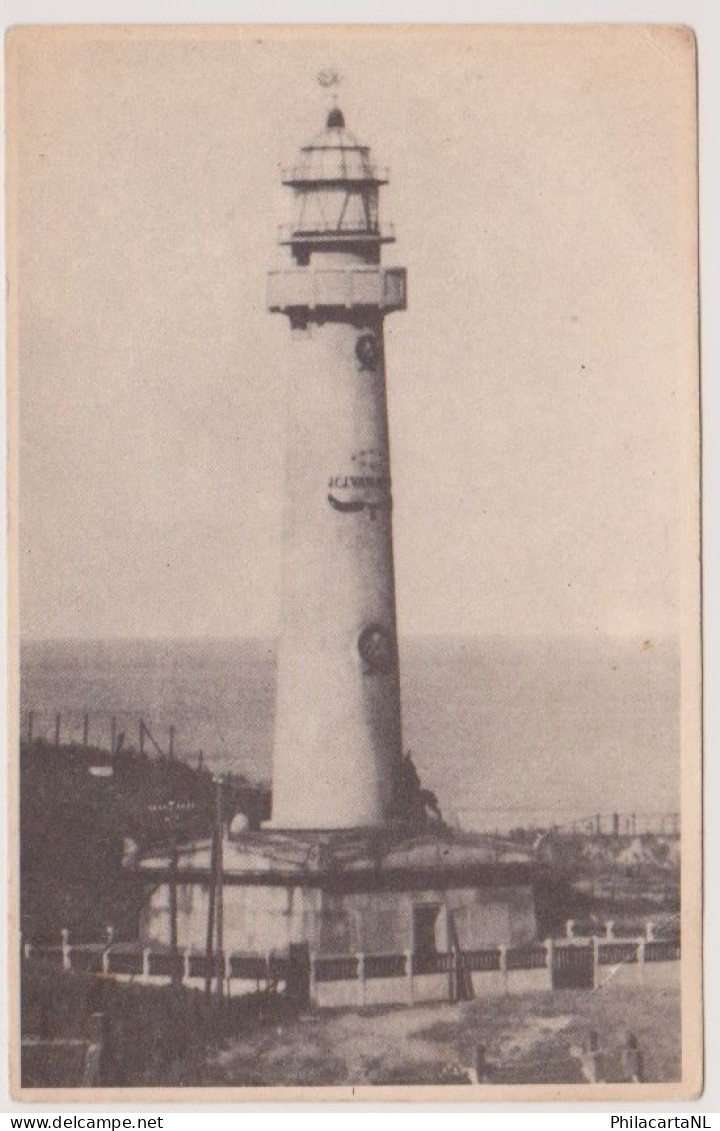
(341, 969)
(248, 966)
(130, 960)
(125, 962)
(572, 954)
(438, 963)
(166, 965)
(612, 954)
(663, 950)
(198, 965)
(278, 967)
(527, 958)
(481, 959)
(385, 966)
(50, 955)
(87, 959)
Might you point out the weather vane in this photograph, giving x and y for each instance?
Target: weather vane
(329, 78)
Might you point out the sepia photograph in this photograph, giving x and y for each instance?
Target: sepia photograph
(355, 742)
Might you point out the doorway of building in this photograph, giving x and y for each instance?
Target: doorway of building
(425, 949)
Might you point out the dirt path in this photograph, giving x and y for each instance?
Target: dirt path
(529, 1038)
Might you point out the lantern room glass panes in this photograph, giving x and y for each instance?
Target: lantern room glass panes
(336, 188)
(337, 208)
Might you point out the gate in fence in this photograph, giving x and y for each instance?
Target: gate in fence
(297, 986)
(573, 967)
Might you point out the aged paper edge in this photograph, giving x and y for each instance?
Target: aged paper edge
(691, 1084)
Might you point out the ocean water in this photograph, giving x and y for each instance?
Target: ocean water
(503, 730)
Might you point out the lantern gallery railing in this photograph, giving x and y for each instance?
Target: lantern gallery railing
(320, 233)
(311, 175)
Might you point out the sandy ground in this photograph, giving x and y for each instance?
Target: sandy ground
(527, 1039)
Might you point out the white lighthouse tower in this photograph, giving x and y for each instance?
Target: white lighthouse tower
(337, 732)
(352, 863)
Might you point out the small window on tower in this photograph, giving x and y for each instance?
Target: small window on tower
(366, 351)
(376, 650)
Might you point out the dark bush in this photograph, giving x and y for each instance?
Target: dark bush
(154, 1035)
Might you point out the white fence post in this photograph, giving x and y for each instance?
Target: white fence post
(227, 973)
(503, 964)
(361, 977)
(453, 975)
(641, 956)
(409, 974)
(313, 979)
(550, 959)
(66, 950)
(110, 932)
(593, 1058)
(146, 962)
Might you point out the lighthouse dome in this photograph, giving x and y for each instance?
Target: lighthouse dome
(335, 153)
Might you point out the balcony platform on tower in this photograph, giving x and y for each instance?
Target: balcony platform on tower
(310, 288)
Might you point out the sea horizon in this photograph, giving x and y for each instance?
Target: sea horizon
(496, 724)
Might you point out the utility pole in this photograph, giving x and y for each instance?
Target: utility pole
(173, 903)
(210, 935)
(219, 916)
(86, 727)
(168, 813)
(214, 939)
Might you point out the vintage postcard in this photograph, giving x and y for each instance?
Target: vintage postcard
(354, 502)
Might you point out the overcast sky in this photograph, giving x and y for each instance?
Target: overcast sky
(541, 186)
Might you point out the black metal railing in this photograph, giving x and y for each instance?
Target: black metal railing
(310, 174)
(340, 969)
(477, 960)
(125, 962)
(526, 958)
(249, 966)
(662, 950)
(612, 954)
(385, 965)
(288, 233)
(133, 960)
